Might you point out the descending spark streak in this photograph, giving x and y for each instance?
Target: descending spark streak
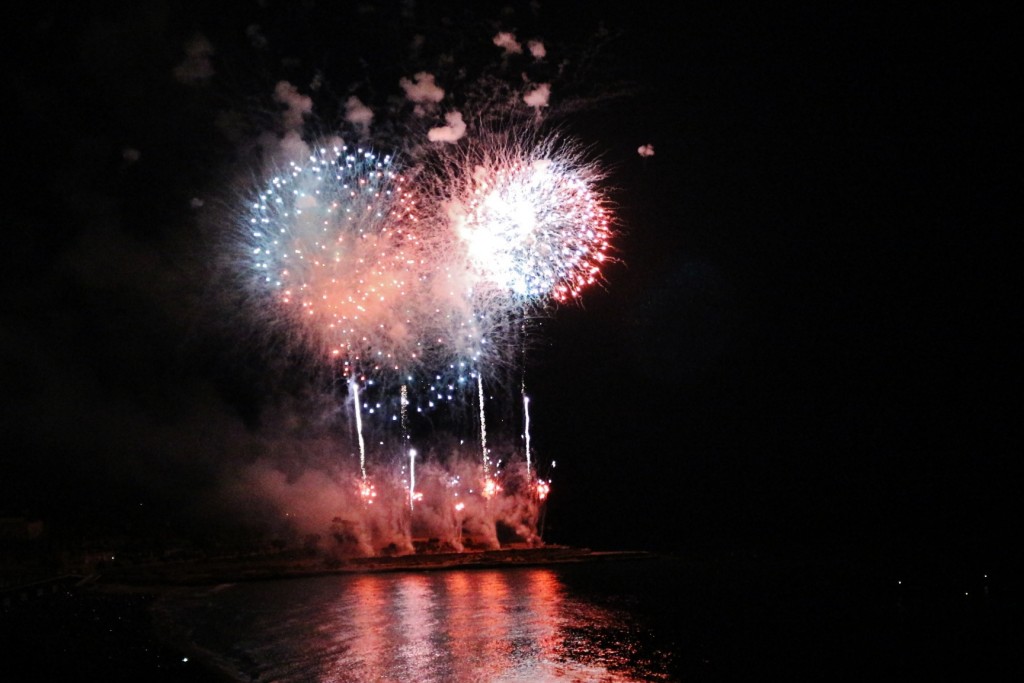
(354, 388)
(403, 409)
(404, 404)
(483, 422)
(526, 414)
(412, 477)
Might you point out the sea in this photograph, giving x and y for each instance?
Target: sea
(656, 618)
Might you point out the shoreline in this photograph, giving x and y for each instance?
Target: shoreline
(212, 572)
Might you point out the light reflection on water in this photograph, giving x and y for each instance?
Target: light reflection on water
(461, 625)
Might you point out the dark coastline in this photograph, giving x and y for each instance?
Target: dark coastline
(91, 632)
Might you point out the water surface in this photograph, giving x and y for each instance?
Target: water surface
(517, 624)
(660, 619)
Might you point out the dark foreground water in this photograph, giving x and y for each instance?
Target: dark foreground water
(637, 620)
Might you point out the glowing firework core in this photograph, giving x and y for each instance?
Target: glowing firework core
(535, 228)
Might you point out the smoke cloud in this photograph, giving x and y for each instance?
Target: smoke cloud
(452, 132)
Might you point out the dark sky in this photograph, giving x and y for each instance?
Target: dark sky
(808, 337)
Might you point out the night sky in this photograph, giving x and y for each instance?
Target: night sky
(807, 338)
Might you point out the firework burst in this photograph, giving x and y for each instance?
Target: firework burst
(333, 240)
(529, 219)
(428, 279)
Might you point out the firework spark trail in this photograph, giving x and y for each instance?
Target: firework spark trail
(483, 422)
(412, 478)
(526, 420)
(404, 407)
(353, 386)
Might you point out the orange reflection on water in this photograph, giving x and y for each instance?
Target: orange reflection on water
(492, 618)
(414, 601)
(393, 624)
(462, 625)
(459, 626)
(368, 644)
(502, 624)
(546, 606)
